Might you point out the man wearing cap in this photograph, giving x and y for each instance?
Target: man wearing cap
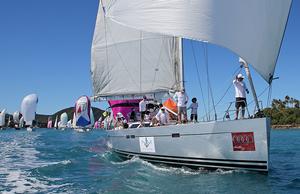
(182, 99)
(240, 95)
(162, 116)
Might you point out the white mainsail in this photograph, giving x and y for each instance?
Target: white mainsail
(126, 62)
(253, 29)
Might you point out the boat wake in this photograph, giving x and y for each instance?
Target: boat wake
(19, 159)
(169, 169)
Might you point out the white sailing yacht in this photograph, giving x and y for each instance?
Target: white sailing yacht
(137, 50)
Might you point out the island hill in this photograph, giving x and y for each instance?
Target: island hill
(42, 120)
(284, 113)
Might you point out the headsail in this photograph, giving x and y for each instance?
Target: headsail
(16, 117)
(63, 120)
(251, 28)
(83, 114)
(28, 108)
(2, 118)
(128, 62)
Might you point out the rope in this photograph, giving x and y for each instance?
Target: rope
(198, 77)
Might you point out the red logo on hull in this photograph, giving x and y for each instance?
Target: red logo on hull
(243, 141)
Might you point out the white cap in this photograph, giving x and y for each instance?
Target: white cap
(119, 115)
(240, 76)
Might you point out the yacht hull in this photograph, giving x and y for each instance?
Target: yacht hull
(238, 144)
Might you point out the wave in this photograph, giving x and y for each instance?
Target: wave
(17, 181)
(175, 170)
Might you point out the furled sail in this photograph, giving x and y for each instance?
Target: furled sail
(253, 29)
(127, 62)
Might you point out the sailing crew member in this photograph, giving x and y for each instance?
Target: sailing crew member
(121, 122)
(162, 116)
(240, 95)
(194, 108)
(132, 115)
(182, 99)
(143, 108)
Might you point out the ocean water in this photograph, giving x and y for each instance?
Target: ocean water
(53, 161)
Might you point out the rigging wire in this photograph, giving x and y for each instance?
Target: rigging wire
(269, 95)
(210, 93)
(198, 77)
(268, 87)
(237, 71)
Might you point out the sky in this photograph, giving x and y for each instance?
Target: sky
(45, 49)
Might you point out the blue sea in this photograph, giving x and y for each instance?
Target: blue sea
(53, 161)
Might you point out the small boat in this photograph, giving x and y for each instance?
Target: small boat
(137, 51)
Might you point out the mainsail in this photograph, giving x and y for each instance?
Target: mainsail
(253, 29)
(129, 63)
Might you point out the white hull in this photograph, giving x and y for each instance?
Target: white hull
(238, 144)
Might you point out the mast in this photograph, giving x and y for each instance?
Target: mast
(181, 66)
(245, 64)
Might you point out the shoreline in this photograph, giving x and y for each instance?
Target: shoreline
(285, 127)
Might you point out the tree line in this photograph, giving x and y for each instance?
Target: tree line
(284, 112)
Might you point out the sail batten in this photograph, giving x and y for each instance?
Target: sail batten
(253, 29)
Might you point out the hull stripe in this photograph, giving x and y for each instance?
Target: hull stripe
(196, 163)
(187, 158)
(170, 135)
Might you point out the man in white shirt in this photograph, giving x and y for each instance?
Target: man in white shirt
(162, 116)
(143, 108)
(182, 99)
(240, 95)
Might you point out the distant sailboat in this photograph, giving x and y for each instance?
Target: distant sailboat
(21, 125)
(16, 119)
(56, 122)
(2, 118)
(63, 121)
(69, 124)
(28, 109)
(83, 116)
(137, 50)
(50, 123)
